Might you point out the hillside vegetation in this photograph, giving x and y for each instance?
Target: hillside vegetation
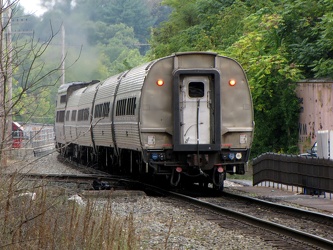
(277, 42)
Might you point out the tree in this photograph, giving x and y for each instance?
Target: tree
(307, 32)
(170, 36)
(140, 15)
(112, 53)
(272, 77)
(101, 31)
(22, 66)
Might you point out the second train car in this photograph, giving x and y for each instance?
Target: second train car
(187, 117)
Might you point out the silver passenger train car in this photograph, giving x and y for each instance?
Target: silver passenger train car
(187, 117)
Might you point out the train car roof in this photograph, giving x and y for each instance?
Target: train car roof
(194, 52)
(76, 85)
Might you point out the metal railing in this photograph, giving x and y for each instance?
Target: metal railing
(306, 172)
(32, 139)
(42, 137)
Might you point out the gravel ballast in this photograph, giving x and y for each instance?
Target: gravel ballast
(159, 225)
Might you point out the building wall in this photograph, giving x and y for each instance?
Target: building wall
(316, 97)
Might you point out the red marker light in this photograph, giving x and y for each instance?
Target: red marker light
(220, 170)
(179, 169)
(232, 82)
(160, 82)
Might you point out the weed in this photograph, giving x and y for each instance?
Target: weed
(39, 217)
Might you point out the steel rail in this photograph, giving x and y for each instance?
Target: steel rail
(274, 227)
(301, 212)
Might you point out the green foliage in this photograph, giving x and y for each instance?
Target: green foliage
(271, 78)
(33, 78)
(177, 33)
(323, 67)
(307, 27)
(102, 38)
(33, 107)
(124, 60)
(277, 43)
(226, 27)
(140, 15)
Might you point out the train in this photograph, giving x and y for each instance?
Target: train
(185, 118)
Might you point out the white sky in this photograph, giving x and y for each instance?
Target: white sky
(31, 7)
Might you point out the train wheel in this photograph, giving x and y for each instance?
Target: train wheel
(175, 178)
(220, 186)
(62, 151)
(218, 181)
(76, 152)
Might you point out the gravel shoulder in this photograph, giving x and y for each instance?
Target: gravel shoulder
(159, 225)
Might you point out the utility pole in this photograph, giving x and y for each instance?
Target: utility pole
(63, 54)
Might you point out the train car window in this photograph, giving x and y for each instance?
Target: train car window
(196, 89)
(128, 108)
(80, 115)
(63, 99)
(121, 107)
(102, 110)
(83, 115)
(131, 106)
(60, 116)
(106, 109)
(67, 115)
(86, 114)
(73, 119)
(98, 110)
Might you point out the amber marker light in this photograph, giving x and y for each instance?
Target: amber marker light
(160, 82)
(232, 82)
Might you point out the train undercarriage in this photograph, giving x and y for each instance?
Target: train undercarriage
(166, 166)
(177, 170)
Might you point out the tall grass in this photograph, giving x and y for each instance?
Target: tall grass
(50, 221)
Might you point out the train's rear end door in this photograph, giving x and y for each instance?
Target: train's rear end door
(194, 110)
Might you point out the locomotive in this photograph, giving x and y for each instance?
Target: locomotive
(185, 118)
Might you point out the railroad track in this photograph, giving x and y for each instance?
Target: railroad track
(311, 222)
(82, 182)
(230, 213)
(272, 222)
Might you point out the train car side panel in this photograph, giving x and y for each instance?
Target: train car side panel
(103, 105)
(70, 119)
(126, 109)
(85, 116)
(60, 115)
(156, 106)
(236, 104)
